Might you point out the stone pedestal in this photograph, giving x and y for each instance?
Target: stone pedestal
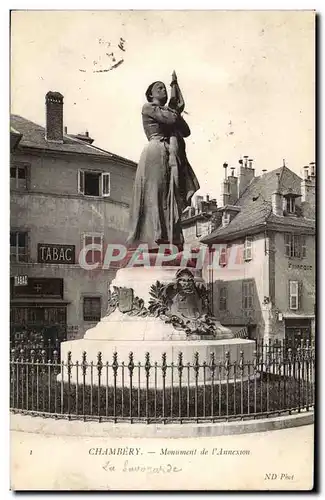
(160, 311)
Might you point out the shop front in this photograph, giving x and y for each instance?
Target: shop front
(38, 310)
(298, 330)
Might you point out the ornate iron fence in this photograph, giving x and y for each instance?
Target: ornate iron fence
(276, 381)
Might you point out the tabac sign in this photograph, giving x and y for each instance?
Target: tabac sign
(56, 254)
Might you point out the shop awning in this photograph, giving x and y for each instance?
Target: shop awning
(38, 301)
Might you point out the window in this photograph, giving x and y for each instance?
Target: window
(18, 177)
(18, 246)
(290, 204)
(248, 254)
(293, 295)
(92, 309)
(201, 228)
(295, 245)
(94, 254)
(92, 183)
(248, 294)
(223, 299)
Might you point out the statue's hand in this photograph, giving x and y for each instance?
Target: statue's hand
(174, 77)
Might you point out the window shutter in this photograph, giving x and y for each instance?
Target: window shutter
(251, 295)
(106, 184)
(303, 246)
(299, 299)
(223, 256)
(293, 295)
(225, 295)
(244, 296)
(248, 248)
(81, 181)
(287, 244)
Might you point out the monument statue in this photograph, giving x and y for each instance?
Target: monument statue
(165, 181)
(155, 308)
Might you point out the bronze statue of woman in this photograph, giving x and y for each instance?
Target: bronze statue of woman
(164, 182)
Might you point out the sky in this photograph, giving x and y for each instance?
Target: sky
(248, 79)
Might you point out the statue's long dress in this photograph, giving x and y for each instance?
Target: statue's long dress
(151, 203)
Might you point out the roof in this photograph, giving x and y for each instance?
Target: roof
(33, 136)
(256, 207)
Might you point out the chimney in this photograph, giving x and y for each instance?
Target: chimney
(54, 117)
(225, 186)
(232, 187)
(207, 198)
(246, 175)
(225, 166)
(312, 169)
(198, 203)
(306, 172)
(308, 190)
(264, 171)
(65, 130)
(277, 199)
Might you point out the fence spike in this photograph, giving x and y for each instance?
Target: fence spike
(43, 355)
(164, 364)
(241, 360)
(131, 363)
(147, 364)
(196, 365)
(84, 363)
(180, 365)
(115, 363)
(99, 363)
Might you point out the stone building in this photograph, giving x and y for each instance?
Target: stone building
(66, 193)
(265, 252)
(196, 220)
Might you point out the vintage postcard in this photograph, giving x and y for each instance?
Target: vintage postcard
(162, 250)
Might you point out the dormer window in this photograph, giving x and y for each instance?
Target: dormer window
(225, 218)
(290, 204)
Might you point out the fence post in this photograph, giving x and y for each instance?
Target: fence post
(163, 371)
(227, 369)
(196, 367)
(99, 373)
(43, 361)
(84, 365)
(22, 364)
(255, 381)
(180, 372)
(241, 369)
(212, 374)
(69, 367)
(56, 371)
(115, 368)
(307, 373)
(131, 368)
(299, 377)
(290, 377)
(147, 367)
